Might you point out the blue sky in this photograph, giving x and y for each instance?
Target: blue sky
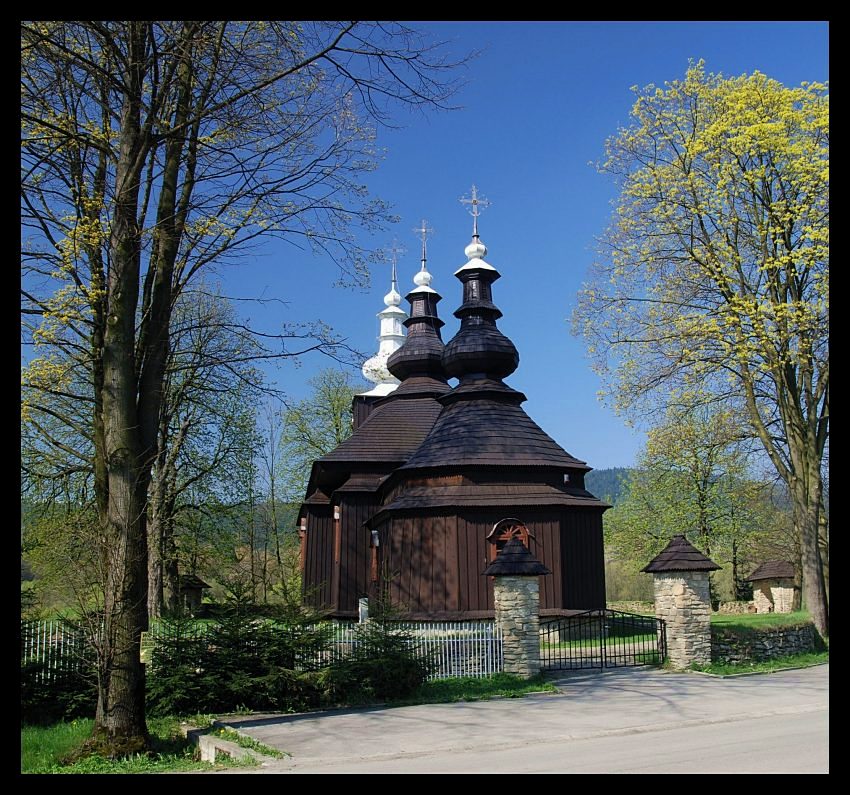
(539, 103)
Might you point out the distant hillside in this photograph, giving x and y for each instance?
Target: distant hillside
(607, 484)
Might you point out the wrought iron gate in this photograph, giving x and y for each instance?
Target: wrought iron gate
(602, 639)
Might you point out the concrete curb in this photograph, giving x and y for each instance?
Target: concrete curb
(211, 745)
(753, 673)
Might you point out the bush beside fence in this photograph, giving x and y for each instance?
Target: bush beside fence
(454, 648)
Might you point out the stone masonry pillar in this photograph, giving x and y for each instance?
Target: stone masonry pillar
(682, 601)
(516, 592)
(517, 613)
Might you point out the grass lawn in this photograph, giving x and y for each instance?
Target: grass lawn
(758, 620)
(766, 666)
(42, 748)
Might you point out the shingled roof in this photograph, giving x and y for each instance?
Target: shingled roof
(190, 581)
(485, 431)
(772, 570)
(515, 559)
(680, 555)
(506, 495)
(394, 429)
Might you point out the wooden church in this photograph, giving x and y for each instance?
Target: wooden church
(436, 479)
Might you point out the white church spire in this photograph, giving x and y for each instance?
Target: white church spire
(391, 337)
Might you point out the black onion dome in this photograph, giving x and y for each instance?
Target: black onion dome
(422, 352)
(479, 348)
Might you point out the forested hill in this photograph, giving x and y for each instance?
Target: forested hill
(607, 484)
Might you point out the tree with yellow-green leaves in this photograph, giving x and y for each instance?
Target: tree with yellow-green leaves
(152, 150)
(713, 280)
(693, 477)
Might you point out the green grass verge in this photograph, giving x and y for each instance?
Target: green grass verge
(766, 666)
(470, 688)
(250, 743)
(43, 747)
(759, 620)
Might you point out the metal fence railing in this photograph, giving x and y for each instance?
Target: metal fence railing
(455, 648)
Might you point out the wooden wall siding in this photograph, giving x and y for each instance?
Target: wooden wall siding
(583, 561)
(355, 551)
(435, 562)
(318, 558)
(545, 545)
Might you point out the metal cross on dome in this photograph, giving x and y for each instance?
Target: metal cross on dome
(475, 202)
(424, 230)
(395, 251)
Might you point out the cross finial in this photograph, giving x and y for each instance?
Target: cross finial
(395, 251)
(423, 231)
(475, 203)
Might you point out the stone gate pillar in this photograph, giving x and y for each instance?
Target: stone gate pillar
(680, 573)
(516, 595)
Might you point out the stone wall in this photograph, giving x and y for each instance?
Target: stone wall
(783, 597)
(641, 608)
(517, 603)
(752, 645)
(761, 597)
(774, 596)
(682, 600)
(734, 608)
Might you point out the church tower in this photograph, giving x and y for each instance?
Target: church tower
(486, 472)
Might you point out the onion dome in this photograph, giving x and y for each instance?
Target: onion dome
(483, 423)
(421, 355)
(479, 349)
(390, 340)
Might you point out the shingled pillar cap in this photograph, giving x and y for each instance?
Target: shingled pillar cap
(680, 555)
(515, 560)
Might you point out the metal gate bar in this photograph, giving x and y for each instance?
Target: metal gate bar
(602, 639)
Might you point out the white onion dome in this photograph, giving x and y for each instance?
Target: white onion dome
(393, 297)
(391, 338)
(476, 249)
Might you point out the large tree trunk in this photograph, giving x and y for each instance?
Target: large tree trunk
(805, 493)
(120, 726)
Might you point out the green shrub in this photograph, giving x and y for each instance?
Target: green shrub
(62, 695)
(177, 683)
(383, 665)
(239, 661)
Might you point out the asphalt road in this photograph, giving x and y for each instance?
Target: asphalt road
(637, 720)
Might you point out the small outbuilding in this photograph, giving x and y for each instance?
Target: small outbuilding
(773, 587)
(191, 593)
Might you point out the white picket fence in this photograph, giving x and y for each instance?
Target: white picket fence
(456, 648)
(55, 645)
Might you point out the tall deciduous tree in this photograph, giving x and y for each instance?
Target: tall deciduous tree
(149, 150)
(691, 478)
(315, 426)
(715, 270)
